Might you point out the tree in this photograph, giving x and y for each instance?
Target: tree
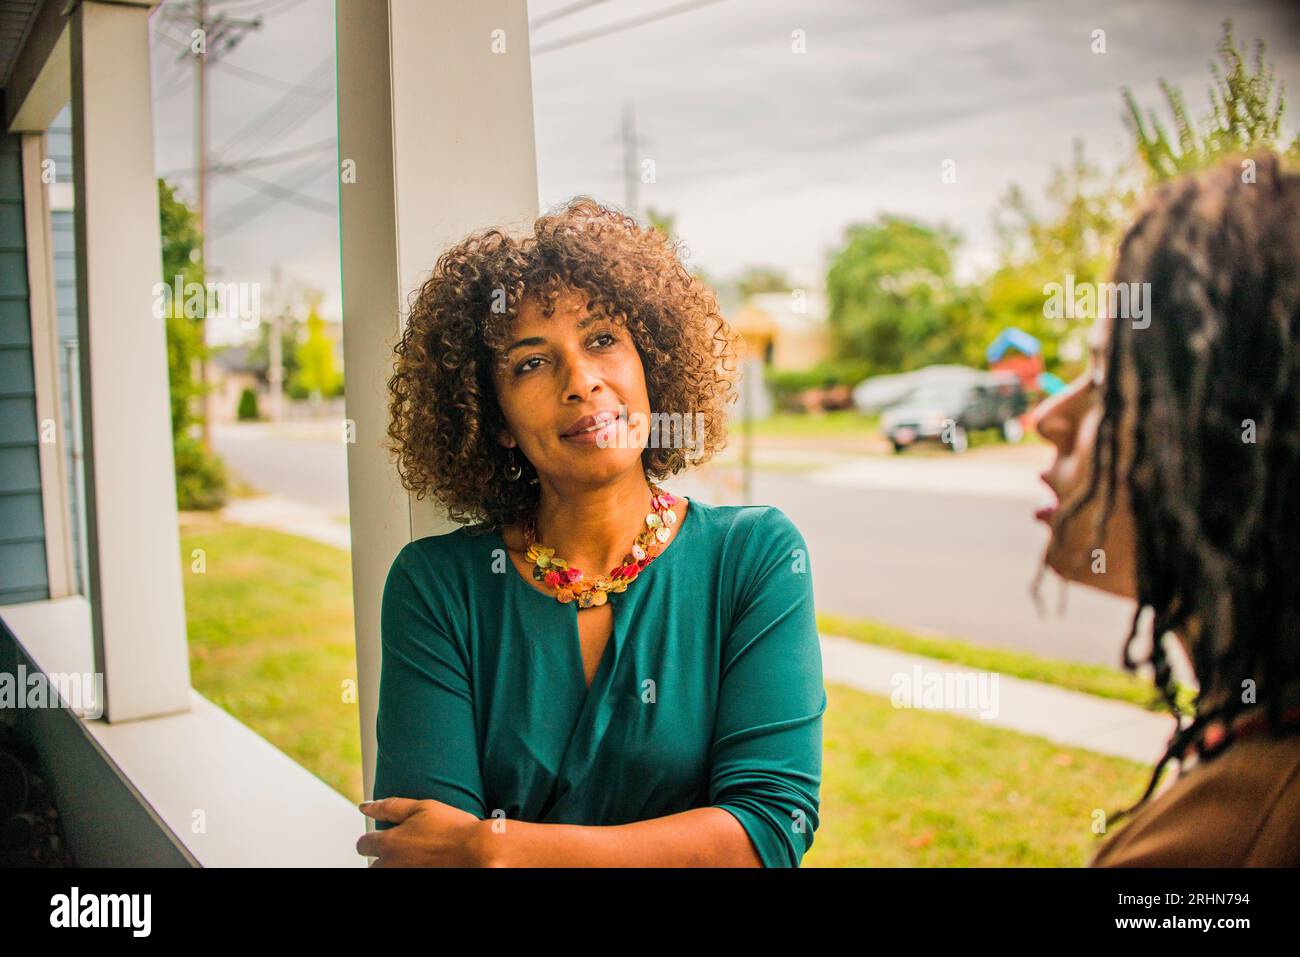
(291, 330)
(1246, 109)
(759, 279)
(1074, 235)
(892, 297)
(666, 223)
(200, 475)
(317, 372)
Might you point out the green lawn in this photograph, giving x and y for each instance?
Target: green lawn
(271, 641)
(270, 628)
(848, 424)
(850, 427)
(906, 788)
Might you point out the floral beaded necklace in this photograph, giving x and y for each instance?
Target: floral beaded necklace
(570, 584)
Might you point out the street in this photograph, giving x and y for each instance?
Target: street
(932, 544)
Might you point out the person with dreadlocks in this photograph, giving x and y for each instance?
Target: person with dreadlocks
(1177, 477)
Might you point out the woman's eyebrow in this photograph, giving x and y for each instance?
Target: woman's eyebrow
(530, 341)
(539, 340)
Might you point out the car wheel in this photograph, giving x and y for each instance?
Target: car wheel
(898, 447)
(1013, 431)
(959, 442)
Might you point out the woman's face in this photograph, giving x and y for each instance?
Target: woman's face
(559, 371)
(1069, 421)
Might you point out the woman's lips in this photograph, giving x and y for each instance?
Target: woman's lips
(590, 438)
(590, 429)
(1045, 512)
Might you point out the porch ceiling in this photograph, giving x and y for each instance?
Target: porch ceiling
(16, 20)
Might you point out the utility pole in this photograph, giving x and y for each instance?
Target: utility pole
(631, 170)
(208, 38)
(201, 183)
(275, 352)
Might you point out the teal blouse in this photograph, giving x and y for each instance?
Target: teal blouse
(709, 691)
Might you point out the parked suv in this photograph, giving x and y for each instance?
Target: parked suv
(947, 412)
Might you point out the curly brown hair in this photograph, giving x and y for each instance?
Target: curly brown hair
(444, 414)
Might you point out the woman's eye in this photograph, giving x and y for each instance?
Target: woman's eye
(524, 367)
(607, 335)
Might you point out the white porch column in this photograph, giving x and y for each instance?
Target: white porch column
(435, 141)
(134, 576)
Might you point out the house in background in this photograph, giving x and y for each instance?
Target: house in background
(143, 769)
(787, 330)
(229, 373)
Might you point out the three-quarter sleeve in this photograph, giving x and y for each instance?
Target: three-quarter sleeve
(767, 742)
(427, 744)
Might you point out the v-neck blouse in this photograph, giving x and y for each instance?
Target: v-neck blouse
(708, 693)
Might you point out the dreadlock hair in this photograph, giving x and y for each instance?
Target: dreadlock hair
(1213, 472)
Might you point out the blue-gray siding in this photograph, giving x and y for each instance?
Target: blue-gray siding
(23, 573)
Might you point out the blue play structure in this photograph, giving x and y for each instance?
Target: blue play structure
(1024, 343)
(1011, 338)
(1050, 384)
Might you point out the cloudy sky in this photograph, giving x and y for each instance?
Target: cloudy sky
(763, 154)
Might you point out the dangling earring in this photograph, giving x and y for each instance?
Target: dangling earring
(513, 471)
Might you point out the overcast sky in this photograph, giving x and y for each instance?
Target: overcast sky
(763, 155)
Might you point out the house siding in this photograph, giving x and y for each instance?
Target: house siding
(23, 568)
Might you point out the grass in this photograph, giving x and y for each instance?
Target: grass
(839, 425)
(854, 427)
(271, 642)
(906, 788)
(1089, 679)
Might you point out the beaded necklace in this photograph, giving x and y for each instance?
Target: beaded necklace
(571, 585)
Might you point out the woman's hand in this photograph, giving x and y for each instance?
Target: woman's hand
(427, 834)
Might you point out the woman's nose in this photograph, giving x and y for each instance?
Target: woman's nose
(582, 381)
(1054, 419)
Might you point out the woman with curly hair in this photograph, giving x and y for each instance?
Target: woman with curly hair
(590, 671)
(1178, 466)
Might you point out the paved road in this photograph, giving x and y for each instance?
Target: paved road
(942, 562)
(930, 544)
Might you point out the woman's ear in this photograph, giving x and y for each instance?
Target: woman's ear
(506, 439)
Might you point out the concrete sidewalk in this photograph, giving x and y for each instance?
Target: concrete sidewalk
(287, 515)
(1067, 717)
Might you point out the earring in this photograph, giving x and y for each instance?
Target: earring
(513, 471)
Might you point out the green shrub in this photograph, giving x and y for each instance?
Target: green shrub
(201, 482)
(248, 406)
(787, 385)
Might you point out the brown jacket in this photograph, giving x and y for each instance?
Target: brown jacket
(1240, 808)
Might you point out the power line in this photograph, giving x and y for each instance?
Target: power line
(311, 149)
(298, 89)
(284, 115)
(266, 8)
(285, 189)
(621, 26)
(563, 12)
(288, 194)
